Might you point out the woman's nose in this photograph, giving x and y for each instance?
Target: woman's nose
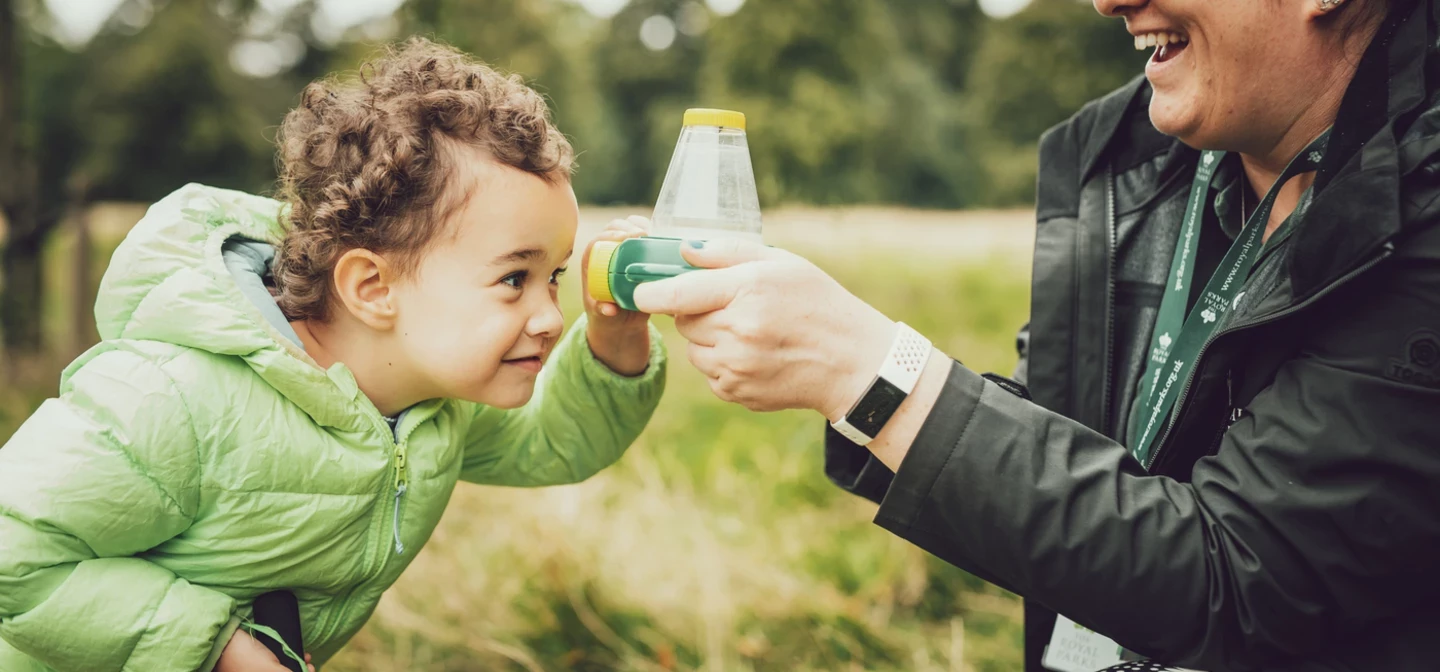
(1119, 7)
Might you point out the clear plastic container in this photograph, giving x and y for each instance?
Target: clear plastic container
(709, 190)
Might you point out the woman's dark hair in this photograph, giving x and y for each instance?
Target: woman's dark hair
(1358, 15)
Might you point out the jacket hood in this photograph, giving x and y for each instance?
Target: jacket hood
(168, 282)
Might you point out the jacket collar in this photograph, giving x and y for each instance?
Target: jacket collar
(1356, 210)
(1112, 112)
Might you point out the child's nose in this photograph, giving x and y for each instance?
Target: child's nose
(548, 321)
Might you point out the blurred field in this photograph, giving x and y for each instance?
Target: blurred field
(717, 543)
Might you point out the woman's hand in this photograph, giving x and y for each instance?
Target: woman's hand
(619, 338)
(771, 330)
(245, 654)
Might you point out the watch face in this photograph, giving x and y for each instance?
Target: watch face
(875, 408)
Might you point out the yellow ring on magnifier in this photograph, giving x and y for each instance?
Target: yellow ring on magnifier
(597, 274)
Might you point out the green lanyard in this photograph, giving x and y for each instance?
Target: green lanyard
(1176, 342)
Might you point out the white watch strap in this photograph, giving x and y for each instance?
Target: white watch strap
(909, 353)
(848, 431)
(907, 358)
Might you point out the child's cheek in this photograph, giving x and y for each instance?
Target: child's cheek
(484, 351)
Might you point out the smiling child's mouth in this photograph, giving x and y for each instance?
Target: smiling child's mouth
(532, 363)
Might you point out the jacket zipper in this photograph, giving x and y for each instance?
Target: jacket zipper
(401, 485)
(1180, 408)
(1111, 234)
(376, 560)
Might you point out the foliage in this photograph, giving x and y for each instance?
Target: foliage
(915, 102)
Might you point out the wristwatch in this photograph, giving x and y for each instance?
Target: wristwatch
(895, 381)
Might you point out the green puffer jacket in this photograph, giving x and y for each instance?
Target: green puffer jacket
(196, 459)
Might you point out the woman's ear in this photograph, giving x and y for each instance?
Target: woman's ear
(364, 283)
(1315, 9)
(1318, 9)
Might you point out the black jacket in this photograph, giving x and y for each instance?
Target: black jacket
(1291, 520)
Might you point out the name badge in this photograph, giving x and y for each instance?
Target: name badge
(1076, 648)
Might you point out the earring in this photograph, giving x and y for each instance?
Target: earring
(1327, 5)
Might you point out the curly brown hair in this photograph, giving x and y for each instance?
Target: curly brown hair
(366, 157)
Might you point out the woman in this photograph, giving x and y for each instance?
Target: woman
(1239, 472)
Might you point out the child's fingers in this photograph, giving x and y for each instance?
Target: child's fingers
(609, 309)
(627, 226)
(618, 235)
(643, 223)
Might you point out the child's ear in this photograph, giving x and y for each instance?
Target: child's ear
(363, 281)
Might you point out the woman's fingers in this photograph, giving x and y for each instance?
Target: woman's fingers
(703, 330)
(704, 359)
(724, 252)
(692, 293)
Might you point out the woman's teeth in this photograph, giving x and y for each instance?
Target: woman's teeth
(1148, 40)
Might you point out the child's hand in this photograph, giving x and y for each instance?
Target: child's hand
(619, 338)
(245, 654)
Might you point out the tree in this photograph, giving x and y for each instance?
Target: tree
(164, 107)
(150, 103)
(1033, 71)
(942, 34)
(546, 42)
(846, 105)
(646, 91)
(20, 260)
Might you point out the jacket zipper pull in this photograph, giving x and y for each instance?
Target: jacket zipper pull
(401, 485)
(1235, 411)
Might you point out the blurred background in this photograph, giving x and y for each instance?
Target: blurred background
(893, 142)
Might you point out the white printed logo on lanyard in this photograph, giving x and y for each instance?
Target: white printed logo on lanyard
(1181, 332)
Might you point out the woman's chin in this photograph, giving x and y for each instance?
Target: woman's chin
(1174, 117)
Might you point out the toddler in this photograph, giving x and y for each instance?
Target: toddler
(287, 391)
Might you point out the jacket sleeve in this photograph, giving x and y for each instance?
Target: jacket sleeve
(1022, 346)
(855, 470)
(1318, 516)
(90, 483)
(581, 419)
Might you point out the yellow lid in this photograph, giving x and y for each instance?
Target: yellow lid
(597, 273)
(707, 117)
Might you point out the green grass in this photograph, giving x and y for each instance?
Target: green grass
(716, 543)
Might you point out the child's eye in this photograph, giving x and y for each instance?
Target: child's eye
(516, 280)
(555, 277)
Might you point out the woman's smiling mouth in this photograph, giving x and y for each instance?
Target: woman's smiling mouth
(1167, 44)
